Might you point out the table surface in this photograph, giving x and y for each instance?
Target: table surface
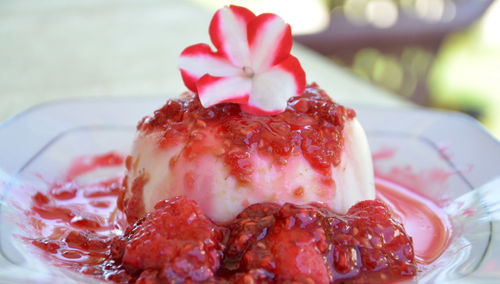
(56, 49)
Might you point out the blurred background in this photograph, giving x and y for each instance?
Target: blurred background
(437, 53)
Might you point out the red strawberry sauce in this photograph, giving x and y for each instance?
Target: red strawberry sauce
(77, 226)
(311, 125)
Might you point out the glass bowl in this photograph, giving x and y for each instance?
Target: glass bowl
(45, 139)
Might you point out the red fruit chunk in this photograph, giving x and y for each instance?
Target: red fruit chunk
(105, 188)
(47, 245)
(54, 212)
(88, 221)
(250, 225)
(176, 239)
(87, 241)
(294, 247)
(40, 199)
(64, 191)
(368, 245)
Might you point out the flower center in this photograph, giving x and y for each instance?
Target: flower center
(248, 72)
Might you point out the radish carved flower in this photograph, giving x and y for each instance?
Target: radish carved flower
(252, 66)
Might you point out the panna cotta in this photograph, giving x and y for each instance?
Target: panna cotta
(226, 159)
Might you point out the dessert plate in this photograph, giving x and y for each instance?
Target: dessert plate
(448, 157)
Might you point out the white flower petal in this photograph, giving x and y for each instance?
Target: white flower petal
(270, 40)
(228, 31)
(215, 90)
(198, 60)
(271, 90)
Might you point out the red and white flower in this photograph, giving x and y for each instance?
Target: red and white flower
(252, 66)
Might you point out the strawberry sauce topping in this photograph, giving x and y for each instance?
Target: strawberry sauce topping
(311, 125)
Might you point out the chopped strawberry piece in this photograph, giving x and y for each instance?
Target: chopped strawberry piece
(177, 239)
(88, 221)
(385, 250)
(47, 245)
(40, 199)
(293, 248)
(248, 227)
(64, 191)
(368, 245)
(87, 241)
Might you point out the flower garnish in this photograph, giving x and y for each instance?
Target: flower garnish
(252, 67)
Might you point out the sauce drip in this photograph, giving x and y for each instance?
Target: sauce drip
(427, 223)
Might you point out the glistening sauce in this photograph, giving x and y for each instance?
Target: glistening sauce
(76, 225)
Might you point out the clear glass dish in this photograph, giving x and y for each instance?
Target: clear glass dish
(45, 139)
